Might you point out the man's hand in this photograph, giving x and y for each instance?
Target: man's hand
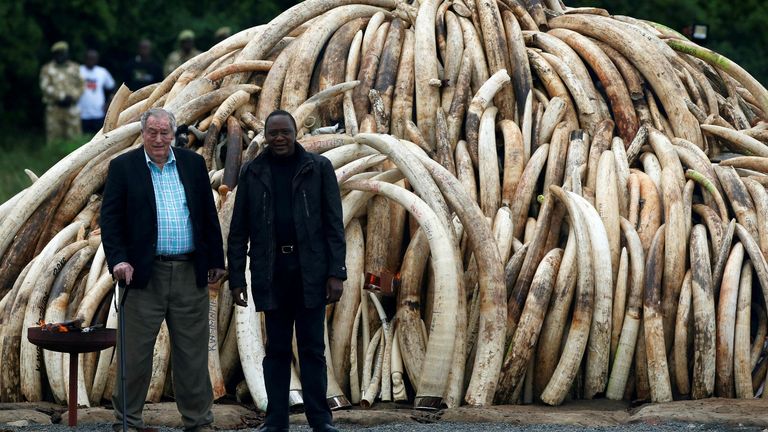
(215, 275)
(333, 289)
(240, 296)
(123, 272)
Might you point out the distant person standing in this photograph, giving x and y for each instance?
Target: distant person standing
(221, 34)
(61, 85)
(99, 85)
(185, 52)
(143, 69)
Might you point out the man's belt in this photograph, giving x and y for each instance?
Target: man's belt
(177, 257)
(287, 249)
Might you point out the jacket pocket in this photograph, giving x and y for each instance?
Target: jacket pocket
(313, 220)
(258, 275)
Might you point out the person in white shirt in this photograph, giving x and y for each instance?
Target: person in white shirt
(98, 88)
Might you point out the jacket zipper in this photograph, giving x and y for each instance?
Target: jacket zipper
(306, 204)
(264, 207)
(269, 237)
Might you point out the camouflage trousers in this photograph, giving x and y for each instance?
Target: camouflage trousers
(62, 123)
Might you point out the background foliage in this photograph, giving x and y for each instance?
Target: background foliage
(737, 29)
(29, 27)
(114, 27)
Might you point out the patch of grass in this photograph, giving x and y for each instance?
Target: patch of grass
(29, 151)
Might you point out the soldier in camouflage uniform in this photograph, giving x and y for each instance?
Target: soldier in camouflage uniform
(185, 52)
(61, 86)
(221, 34)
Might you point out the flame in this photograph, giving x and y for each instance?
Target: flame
(53, 327)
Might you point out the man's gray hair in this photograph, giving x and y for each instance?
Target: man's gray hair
(158, 113)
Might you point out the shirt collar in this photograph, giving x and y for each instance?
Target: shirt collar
(171, 158)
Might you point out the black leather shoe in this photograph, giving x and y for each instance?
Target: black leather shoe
(267, 428)
(202, 428)
(325, 428)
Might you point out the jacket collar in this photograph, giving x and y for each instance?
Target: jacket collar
(260, 165)
(171, 157)
(141, 169)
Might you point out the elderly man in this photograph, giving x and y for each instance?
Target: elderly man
(61, 85)
(163, 242)
(288, 208)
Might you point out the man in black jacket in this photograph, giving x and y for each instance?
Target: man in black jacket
(162, 241)
(289, 207)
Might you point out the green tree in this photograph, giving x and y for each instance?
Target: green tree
(736, 29)
(20, 38)
(29, 27)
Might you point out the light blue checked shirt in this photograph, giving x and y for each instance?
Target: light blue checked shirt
(174, 226)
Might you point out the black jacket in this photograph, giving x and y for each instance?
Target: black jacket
(129, 215)
(319, 229)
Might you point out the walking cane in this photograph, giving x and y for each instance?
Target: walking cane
(121, 337)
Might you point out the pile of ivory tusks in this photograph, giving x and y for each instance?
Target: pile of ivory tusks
(574, 204)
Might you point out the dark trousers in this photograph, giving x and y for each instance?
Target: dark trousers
(91, 126)
(310, 329)
(172, 295)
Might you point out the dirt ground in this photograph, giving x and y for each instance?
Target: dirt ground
(729, 413)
